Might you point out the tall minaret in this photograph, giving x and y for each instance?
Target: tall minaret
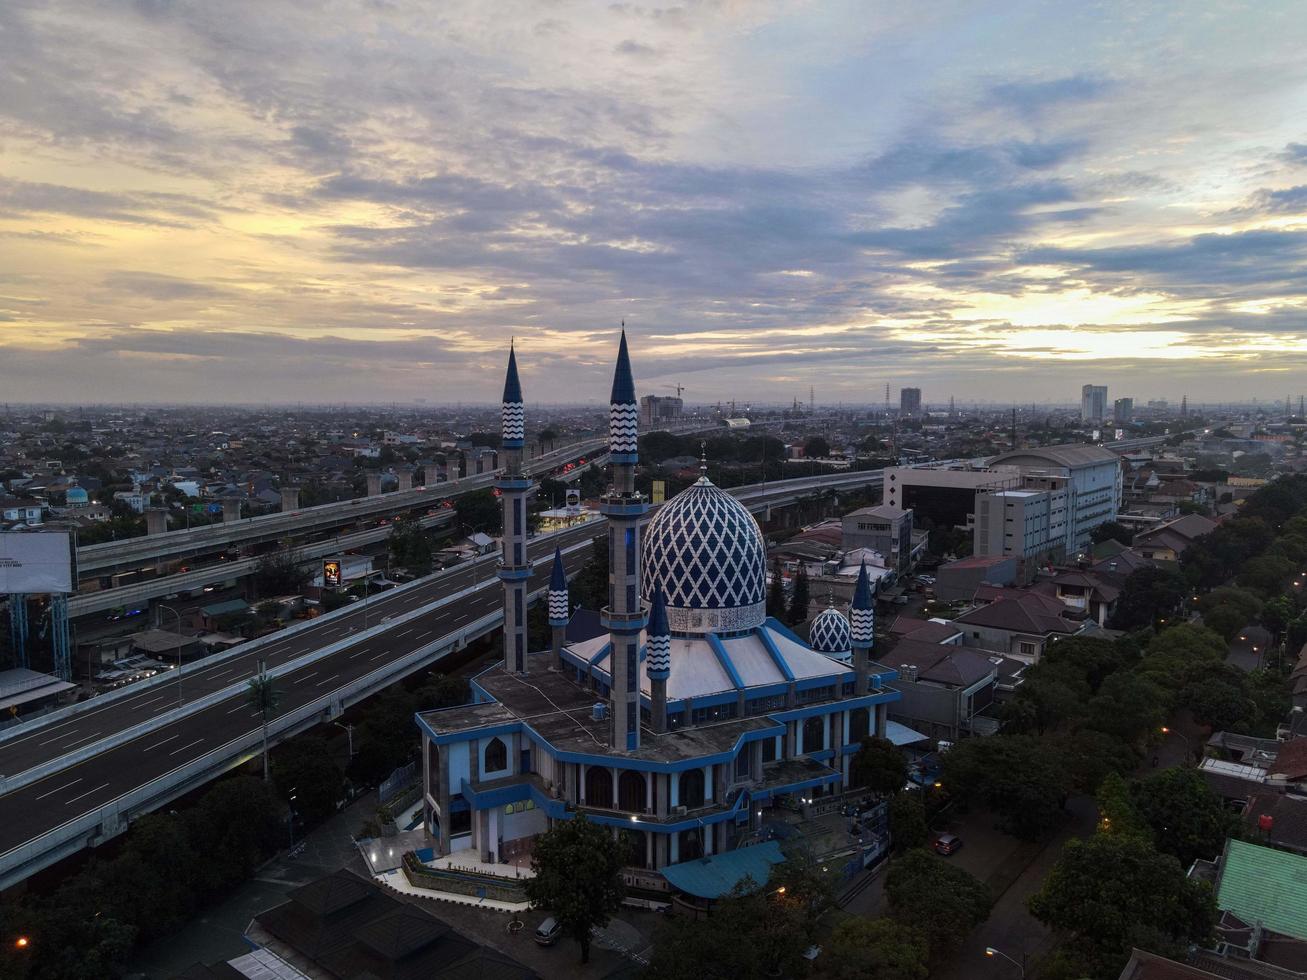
(862, 619)
(658, 661)
(624, 616)
(558, 605)
(513, 486)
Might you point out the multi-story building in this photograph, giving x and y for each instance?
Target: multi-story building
(1091, 475)
(885, 529)
(684, 722)
(656, 410)
(1032, 525)
(1093, 404)
(1123, 410)
(910, 403)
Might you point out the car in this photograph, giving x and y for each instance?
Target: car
(547, 932)
(946, 844)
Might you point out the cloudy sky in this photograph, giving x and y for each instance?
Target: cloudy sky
(363, 200)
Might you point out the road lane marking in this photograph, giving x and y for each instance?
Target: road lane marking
(239, 707)
(69, 745)
(87, 793)
(63, 787)
(160, 742)
(405, 633)
(186, 746)
(421, 635)
(58, 737)
(304, 677)
(326, 680)
(380, 655)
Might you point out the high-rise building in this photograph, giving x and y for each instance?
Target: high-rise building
(1123, 410)
(656, 410)
(910, 403)
(1093, 403)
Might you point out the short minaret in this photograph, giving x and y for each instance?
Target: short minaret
(559, 606)
(513, 486)
(624, 616)
(658, 661)
(862, 622)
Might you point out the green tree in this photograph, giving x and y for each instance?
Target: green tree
(409, 546)
(939, 898)
(907, 820)
(798, 611)
(1111, 892)
(1228, 609)
(1128, 706)
(875, 949)
(1111, 531)
(816, 448)
(577, 866)
(480, 510)
(590, 587)
(1149, 596)
(776, 593)
(279, 573)
(879, 766)
(308, 778)
(1116, 810)
(1186, 818)
(1022, 778)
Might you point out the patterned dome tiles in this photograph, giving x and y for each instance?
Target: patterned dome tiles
(831, 632)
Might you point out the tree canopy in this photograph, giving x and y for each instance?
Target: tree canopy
(577, 867)
(940, 899)
(875, 949)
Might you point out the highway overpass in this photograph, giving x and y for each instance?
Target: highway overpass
(77, 777)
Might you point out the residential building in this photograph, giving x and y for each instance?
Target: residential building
(910, 403)
(1093, 404)
(1020, 626)
(1123, 410)
(944, 688)
(959, 580)
(1167, 542)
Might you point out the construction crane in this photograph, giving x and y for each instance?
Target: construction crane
(677, 388)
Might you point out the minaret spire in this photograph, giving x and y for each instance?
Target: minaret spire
(513, 486)
(862, 620)
(558, 605)
(624, 616)
(658, 660)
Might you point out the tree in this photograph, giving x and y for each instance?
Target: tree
(798, 611)
(409, 546)
(875, 949)
(577, 866)
(279, 573)
(1022, 778)
(776, 592)
(816, 448)
(264, 699)
(939, 898)
(1184, 816)
(308, 778)
(879, 766)
(1228, 609)
(1091, 756)
(1150, 595)
(547, 438)
(590, 587)
(907, 820)
(480, 510)
(1128, 706)
(1112, 892)
(1111, 531)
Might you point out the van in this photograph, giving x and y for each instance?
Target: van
(547, 932)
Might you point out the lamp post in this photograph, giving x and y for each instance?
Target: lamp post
(179, 649)
(991, 952)
(1188, 749)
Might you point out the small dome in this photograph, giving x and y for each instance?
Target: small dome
(705, 552)
(830, 632)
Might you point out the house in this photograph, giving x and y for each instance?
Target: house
(1086, 592)
(1021, 625)
(959, 579)
(1261, 902)
(1277, 820)
(944, 687)
(1167, 542)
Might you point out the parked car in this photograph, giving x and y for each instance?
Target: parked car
(547, 932)
(946, 844)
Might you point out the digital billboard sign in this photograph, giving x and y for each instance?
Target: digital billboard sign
(36, 561)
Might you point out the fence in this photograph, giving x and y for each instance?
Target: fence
(398, 780)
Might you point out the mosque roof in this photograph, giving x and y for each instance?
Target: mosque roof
(623, 381)
(512, 387)
(830, 632)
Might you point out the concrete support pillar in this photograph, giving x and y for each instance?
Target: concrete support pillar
(658, 699)
(290, 499)
(231, 509)
(374, 483)
(156, 520)
(557, 645)
(404, 476)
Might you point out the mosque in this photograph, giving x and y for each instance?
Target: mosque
(686, 720)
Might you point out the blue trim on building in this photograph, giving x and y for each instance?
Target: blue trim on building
(725, 660)
(510, 574)
(513, 443)
(624, 457)
(827, 707)
(505, 483)
(630, 509)
(774, 653)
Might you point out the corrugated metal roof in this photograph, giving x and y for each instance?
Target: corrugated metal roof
(1265, 887)
(715, 876)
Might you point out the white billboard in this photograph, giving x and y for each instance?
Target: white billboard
(35, 561)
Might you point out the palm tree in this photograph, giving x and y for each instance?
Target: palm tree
(264, 698)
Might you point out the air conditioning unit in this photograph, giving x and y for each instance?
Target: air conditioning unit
(682, 810)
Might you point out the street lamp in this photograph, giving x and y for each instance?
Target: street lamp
(991, 952)
(179, 649)
(1188, 749)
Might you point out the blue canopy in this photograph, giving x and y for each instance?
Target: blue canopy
(716, 876)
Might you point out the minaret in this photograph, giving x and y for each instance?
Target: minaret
(558, 605)
(624, 616)
(513, 486)
(658, 660)
(862, 620)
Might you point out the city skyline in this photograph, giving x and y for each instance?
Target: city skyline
(252, 206)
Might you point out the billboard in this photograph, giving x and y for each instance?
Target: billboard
(331, 573)
(36, 561)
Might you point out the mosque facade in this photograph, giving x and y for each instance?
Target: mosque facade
(686, 719)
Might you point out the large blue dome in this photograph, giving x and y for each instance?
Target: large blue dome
(706, 553)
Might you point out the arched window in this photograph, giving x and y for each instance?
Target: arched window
(598, 787)
(691, 788)
(859, 725)
(636, 846)
(690, 845)
(814, 734)
(496, 755)
(630, 791)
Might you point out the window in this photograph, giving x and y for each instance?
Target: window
(744, 763)
(630, 791)
(630, 551)
(691, 788)
(859, 724)
(496, 756)
(769, 750)
(632, 667)
(460, 822)
(598, 787)
(814, 734)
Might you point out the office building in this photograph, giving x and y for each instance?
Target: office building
(1091, 474)
(1123, 410)
(884, 529)
(1093, 404)
(910, 403)
(1029, 524)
